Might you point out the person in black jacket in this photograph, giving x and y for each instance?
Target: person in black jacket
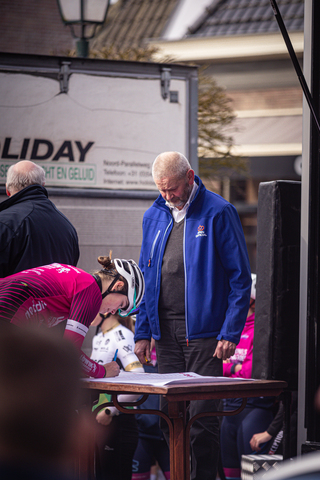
(33, 231)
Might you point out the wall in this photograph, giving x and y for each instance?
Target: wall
(33, 27)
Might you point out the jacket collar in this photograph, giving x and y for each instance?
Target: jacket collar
(25, 194)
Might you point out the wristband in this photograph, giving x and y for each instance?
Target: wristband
(113, 413)
(233, 369)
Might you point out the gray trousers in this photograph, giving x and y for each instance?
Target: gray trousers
(175, 356)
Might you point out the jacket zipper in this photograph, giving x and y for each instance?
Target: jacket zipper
(158, 266)
(185, 280)
(152, 248)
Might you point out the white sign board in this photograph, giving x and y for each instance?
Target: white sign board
(104, 132)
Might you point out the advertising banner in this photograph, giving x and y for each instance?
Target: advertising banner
(104, 132)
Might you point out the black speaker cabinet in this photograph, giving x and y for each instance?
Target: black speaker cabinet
(276, 331)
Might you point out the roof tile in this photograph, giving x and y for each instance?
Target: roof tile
(130, 22)
(239, 17)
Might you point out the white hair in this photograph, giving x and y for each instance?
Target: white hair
(170, 164)
(23, 174)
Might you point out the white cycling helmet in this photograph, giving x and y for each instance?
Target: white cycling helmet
(130, 271)
(253, 286)
(135, 281)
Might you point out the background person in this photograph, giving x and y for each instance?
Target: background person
(51, 294)
(237, 430)
(33, 231)
(261, 439)
(197, 273)
(272, 437)
(40, 432)
(118, 432)
(240, 364)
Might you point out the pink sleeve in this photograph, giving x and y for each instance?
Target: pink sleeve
(227, 369)
(90, 368)
(246, 369)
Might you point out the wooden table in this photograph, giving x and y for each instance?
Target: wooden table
(177, 396)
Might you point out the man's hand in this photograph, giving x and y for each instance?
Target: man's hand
(112, 369)
(225, 349)
(142, 350)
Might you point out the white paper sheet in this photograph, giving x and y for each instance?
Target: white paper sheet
(162, 379)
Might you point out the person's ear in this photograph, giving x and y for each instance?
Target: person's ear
(118, 286)
(7, 192)
(190, 176)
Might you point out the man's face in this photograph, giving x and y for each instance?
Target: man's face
(175, 190)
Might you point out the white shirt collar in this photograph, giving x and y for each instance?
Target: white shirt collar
(179, 215)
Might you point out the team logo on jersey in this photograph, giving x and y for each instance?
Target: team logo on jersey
(36, 307)
(201, 232)
(127, 348)
(119, 336)
(53, 321)
(63, 270)
(58, 267)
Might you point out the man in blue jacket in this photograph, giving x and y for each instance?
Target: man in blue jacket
(197, 274)
(33, 231)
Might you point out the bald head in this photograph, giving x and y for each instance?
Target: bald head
(170, 164)
(22, 175)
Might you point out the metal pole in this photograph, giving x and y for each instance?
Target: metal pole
(82, 45)
(305, 234)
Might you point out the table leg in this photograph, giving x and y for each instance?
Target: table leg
(177, 414)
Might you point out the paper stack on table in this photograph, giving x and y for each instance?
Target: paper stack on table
(162, 379)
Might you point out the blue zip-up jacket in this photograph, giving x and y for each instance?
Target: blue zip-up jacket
(216, 265)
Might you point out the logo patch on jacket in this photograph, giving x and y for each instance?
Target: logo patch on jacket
(201, 232)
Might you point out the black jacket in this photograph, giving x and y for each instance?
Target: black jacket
(34, 232)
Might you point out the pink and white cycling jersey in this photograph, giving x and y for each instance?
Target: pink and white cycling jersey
(49, 295)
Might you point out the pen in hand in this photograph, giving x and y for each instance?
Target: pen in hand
(115, 356)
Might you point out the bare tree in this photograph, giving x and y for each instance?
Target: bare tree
(215, 127)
